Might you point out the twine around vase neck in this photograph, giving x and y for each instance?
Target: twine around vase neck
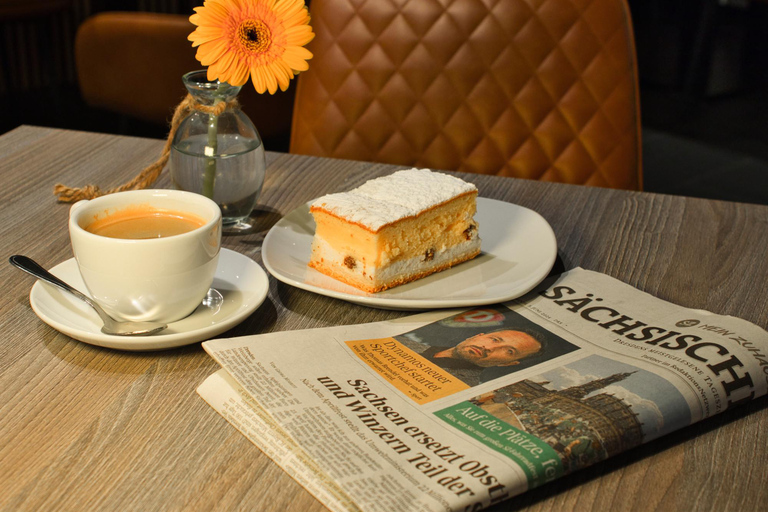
(150, 173)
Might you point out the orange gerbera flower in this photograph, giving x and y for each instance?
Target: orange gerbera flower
(263, 39)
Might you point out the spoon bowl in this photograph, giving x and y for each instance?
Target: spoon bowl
(111, 326)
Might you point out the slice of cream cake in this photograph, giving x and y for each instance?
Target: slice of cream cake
(395, 229)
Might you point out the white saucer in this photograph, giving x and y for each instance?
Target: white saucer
(240, 281)
(518, 251)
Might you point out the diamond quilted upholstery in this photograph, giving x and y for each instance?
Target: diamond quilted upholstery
(540, 89)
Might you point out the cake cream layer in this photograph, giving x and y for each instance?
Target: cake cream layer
(385, 200)
(373, 279)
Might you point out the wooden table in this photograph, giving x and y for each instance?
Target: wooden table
(86, 428)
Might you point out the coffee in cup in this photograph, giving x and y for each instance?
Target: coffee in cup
(147, 255)
(142, 222)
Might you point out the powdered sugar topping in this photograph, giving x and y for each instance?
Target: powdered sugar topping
(384, 200)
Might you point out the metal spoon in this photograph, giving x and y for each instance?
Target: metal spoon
(111, 326)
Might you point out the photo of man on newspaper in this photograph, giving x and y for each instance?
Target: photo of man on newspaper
(501, 347)
(484, 344)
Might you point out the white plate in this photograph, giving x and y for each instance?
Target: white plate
(518, 251)
(240, 281)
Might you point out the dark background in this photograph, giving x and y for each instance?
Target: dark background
(703, 78)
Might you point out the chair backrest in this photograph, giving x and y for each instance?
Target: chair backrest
(540, 89)
(131, 63)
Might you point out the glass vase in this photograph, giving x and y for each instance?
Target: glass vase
(219, 156)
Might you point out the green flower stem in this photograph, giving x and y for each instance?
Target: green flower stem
(209, 176)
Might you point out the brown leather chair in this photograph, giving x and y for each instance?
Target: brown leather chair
(131, 63)
(541, 89)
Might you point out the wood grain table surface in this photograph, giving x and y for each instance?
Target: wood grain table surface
(87, 428)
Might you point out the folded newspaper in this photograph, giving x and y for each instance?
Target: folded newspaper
(459, 410)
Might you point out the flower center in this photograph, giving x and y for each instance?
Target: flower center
(254, 35)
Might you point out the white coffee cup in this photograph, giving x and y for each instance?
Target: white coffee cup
(157, 279)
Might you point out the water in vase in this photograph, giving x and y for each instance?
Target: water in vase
(234, 175)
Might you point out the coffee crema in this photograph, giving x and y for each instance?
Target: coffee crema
(144, 222)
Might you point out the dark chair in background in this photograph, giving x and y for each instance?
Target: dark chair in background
(543, 90)
(131, 63)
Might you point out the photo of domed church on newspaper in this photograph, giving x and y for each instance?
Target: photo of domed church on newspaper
(590, 409)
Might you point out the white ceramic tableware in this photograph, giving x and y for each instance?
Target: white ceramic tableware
(157, 279)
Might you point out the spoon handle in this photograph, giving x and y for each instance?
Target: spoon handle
(30, 266)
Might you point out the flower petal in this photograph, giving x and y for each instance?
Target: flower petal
(209, 53)
(258, 82)
(239, 73)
